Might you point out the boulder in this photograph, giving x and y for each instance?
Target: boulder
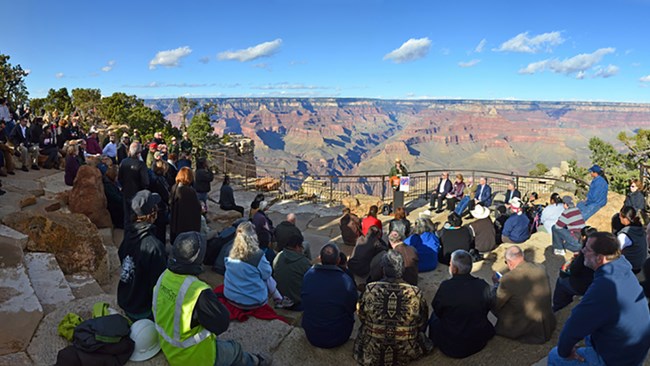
(27, 201)
(72, 238)
(602, 220)
(13, 237)
(15, 359)
(87, 196)
(53, 206)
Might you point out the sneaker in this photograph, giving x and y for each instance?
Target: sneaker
(284, 303)
(263, 359)
(561, 252)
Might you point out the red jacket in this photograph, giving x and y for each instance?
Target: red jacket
(369, 221)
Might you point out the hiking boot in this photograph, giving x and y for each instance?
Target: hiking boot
(263, 359)
(285, 303)
(561, 252)
(24, 169)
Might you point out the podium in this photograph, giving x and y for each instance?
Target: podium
(399, 185)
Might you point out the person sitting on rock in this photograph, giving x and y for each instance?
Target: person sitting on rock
(597, 195)
(188, 332)
(350, 226)
(400, 223)
(227, 197)
(552, 213)
(289, 268)
(454, 236)
(459, 325)
(635, 199)
(285, 231)
(248, 282)
(386, 306)
(329, 299)
(71, 165)
(516, 229)
(203, 180)
(483, 229)
(426, 244)
(566, 231)
(409, 254)
(142, 256)
(575, 278)
(366, 248)
(523, 300)
(632, 238)
(371, 220)
(264, 228)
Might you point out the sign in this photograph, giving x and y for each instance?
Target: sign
(404, 183)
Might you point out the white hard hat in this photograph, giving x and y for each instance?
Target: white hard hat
(145, 336)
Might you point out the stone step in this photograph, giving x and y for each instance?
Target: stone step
(16, 359)
(83, 285)
(48, 281)
(20, 310)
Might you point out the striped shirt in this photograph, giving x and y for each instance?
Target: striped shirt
(572, 220)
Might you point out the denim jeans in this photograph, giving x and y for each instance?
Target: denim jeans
(588, 353)
(563, 239)
(230, 353)
(586, 210)
(462, 205)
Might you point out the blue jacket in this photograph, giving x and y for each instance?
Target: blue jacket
(427, 245)
(329, 299)
(614, 311)
(245, 282)
(485, 196)
(516, 228)
(597, 194)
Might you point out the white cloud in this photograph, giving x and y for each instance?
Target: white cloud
(265, 49)
(169, 58)
(204, 60)
(469, 63)
(59, 75)
(606, 72)
(411, 50)
(580, 75)
(575, 64)
(645, 79)
(109, 66)
(523, 43)
(481, 45)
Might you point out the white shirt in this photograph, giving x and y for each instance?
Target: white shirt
(624, 240)
(442, 185)
(550, 215)
(4, 113)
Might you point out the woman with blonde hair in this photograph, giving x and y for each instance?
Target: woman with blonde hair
(185, 206)
(247, 282)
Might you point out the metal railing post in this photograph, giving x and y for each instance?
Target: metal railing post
(331, 189)
(383, 188)
(426, 185)
(284, 183)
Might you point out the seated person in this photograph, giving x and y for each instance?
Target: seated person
(247, 283)
(597, 194)
(438, 196)
(632, 238)
(483, 195)
(400, 223)
(552, 212)
(482, 229)
(426, 244)
(409, 255)
(566, 231)
(329, 299)
(459, 325)
(227, 197)
(457, 193)
(454, 236)
(386, 306)
(289, 268)
(71, 165)
(367, 248)
(511, 193)
(516, 230)
(350, 226)
(371, 220)
(575, 277)
(523, 300)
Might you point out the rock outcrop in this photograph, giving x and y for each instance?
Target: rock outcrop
(87, 196)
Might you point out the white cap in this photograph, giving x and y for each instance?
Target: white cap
(145, 336)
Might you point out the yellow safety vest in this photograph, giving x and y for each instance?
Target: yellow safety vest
(174, 298)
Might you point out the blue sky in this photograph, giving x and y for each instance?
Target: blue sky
(547, 50)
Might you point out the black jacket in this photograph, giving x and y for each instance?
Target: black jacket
(202, 180)
(461, 306)
(226, 197)
(143, 260)
(17, 137)
(133, 176)
(512, 194)
(283, 233)
(447, 188)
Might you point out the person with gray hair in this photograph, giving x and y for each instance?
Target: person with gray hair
(459, 325)
(329, 299)
(523, 300)
(386, 306)
(426, 243)
(133, 176)
(409, 255)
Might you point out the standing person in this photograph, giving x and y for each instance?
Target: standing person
(48, 147)
(133, 177)
(92, 142)
(350, 226)
(123, 147)
(174, 148)
(393, 316)
(184, 204)
(523, 300)
(142, 257)
(188, 332)
(371, 220)
(612, 316)
(159, 185)
(457, 192)
(227, 197)
(172, 170)
(632, 238)
(28, 152)
(443, 188)
(186, 144)
(459, 324)
(634, 199)
(483, 195)
(72, 165)
(110, 149)
(396, 171)
(329, 299)
(203, 181)
(597, 195)
(114, 197)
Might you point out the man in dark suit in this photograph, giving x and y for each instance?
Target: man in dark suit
(133, 176)
(20, 138)
(459, 325)
(483, 195)
(511, 193)
(439, 195)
